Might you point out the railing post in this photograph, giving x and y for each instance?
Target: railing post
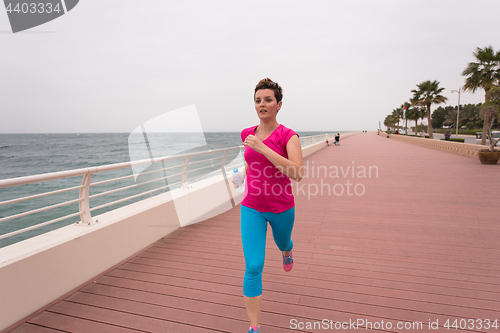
(224, 174)
(223, 163)
(84, 204)
(184, 173)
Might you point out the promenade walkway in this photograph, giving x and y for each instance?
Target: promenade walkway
(417, 240)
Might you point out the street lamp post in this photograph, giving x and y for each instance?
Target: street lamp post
(458, 113)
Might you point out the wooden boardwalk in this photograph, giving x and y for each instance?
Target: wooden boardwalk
(418, 240)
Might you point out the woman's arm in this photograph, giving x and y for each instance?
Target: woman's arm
(292, 167)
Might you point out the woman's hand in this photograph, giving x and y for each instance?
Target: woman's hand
(291, 166)
(255, 143)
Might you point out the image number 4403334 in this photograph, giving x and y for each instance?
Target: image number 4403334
(31, 13)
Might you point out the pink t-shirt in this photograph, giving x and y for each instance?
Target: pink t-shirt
(267, 189)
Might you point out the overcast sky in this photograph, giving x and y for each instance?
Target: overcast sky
(110, 65)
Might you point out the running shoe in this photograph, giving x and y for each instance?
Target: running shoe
(254, 329)
(288, 263)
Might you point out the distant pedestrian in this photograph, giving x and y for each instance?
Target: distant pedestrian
(337, 139)
(447, 135)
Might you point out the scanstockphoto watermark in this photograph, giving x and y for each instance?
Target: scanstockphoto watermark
(329, 180)
(327, 324)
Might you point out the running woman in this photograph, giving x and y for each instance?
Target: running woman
(273, 155)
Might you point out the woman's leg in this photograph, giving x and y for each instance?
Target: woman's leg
(253, 239)
(253, 309)
(282, 226)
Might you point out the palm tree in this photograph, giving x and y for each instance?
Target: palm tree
(491, 111)
(415, 114)
(484, 73)
(405, 106)
(428, 93)
(389, 121)
(397, 114)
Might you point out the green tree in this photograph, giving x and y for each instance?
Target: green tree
(491, 111)
(451, 116)
(415, 113)
(428, 93)
(389, 121)
(438, 117)
(405, 106)
(469, 115)
(398, 115)
(484, 73)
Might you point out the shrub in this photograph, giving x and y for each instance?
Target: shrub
(461, 131)
(456, 140)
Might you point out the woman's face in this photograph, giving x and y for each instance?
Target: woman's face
(266, 105)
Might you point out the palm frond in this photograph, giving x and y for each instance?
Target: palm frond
(485, 72)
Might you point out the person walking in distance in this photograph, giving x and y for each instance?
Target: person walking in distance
(337, 139)
(273, 155)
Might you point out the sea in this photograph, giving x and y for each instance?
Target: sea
(35, 154)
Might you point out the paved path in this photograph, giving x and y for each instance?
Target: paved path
(419, 242)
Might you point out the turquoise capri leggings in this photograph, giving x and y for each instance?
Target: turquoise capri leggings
(253, 238)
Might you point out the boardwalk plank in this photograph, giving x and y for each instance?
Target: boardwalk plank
(76, 324)
(29, 328)
(117, 319)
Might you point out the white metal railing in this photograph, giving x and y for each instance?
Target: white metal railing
(184, 174)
